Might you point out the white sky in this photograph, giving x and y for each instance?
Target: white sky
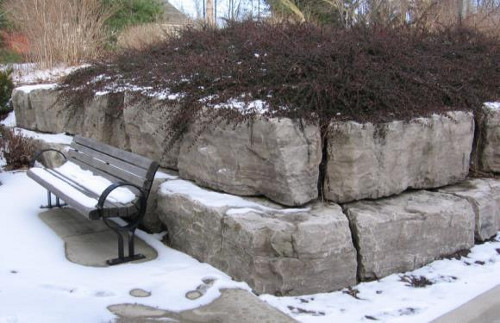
(194, 8)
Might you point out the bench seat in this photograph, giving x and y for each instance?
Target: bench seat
(84, 198)
(100, 182)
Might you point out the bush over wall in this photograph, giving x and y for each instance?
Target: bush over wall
(6, 87)
(311, 73)
(16, 148)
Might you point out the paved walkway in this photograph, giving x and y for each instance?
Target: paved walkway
(91, 243)
(483, 309)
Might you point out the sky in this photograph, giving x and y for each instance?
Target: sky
(242, 8)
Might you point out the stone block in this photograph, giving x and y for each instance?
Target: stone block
(151, 221)
(488, 138)
(484, 197)
(40, 108)
(274, 250)
(275, 158)
(373, 161)
(103, 120)
(146, 121)
(402, 233)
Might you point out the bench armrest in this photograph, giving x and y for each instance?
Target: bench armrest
(112, 187)
(39, 153)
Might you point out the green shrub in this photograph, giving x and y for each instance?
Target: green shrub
(134, 12)
(8, 56)
(6, 87)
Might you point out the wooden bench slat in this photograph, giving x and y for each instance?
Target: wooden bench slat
(125, 166)
(100, 166)
(67, 195)
(113, 151)
(81, 188)
(83, 165)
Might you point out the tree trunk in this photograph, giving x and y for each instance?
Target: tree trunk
(210, 12)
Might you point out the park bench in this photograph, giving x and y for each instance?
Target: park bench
(100, 182)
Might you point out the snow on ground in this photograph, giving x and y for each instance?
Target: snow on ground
(493, 105)
(31, 73)
(391, 299)
(38, 284)
(60, 138)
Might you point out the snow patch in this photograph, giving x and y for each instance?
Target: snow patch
(10, 121)
(219, 200)
(29, 88)
(59, 138)
(493, 105)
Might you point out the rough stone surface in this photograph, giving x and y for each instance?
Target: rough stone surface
(42, 110)
(373, 161)
(145, 122)
(103, 120)
(151, 221)
(283, 251)
(51, 159)
(275, 158)
(488, 145)
(484, 196)
(401, 233)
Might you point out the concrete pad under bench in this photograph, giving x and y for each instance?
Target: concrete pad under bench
(484, 197)
(402, 233)
(88, 243)
(234, 305)
(274, 250)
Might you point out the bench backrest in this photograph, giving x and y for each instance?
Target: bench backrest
(112, 163)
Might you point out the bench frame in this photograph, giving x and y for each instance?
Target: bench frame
(117, 166)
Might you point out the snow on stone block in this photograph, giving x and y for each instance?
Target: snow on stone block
(488, 144)
(275, 158)
(484, 196)
(39, 108)
(402, 233)
(275, 250)
(373, 161)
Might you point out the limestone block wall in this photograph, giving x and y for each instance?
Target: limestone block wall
(373, 161)
(488, 138)
(321, 246)
(277, 159)
(401, 233)
(274, 250)
(274, 158)
(484, 197)
(325, 246)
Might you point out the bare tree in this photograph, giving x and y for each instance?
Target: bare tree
(210, 16)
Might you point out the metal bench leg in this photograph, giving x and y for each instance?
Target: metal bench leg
(58, 202)
(120, 232)
(49, 202)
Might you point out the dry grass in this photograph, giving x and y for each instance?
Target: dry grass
(140, 37)
(69, 31)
